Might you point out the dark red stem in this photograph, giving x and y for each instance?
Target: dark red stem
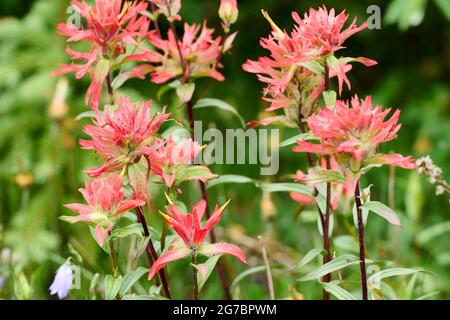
(362, 250)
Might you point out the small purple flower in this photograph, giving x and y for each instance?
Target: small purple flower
(2, 281)
(63, 281)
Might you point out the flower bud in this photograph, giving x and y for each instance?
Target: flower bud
(228, 11)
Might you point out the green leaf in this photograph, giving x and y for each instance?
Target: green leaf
(330, 226)
(135, 228)
(228, 178)
(222, 105)
(179, 134)
(22, 288)
(166, 88)
(205, 270)
(323, 176)
(334, 265)
(428, 295)
(365, 196)
(311, 255)
(130, 279)
(112, 286)
(432, 232)
(337, 291)
(75, 253)
(286, 187)
(87, 114)
(314, 67)
(393, 272)
(194, 173)
(93, 285)
(330, 98)
(102, 69)
(346, 243)
(383, 211)
(332, 62)
(246, 273)
(185, 92)
(294, 139)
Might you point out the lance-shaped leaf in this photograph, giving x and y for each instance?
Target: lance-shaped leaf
(337, 291)
(293, 140)
(334, 265)
(205, 270)
(194, 173)
(228, 178)
(286, 187)
(246, 274)
(323, 176)
(383, 211)
(330, 98)
(112, 287)
(310, 256)
(273, 120)
(219, 104)
(393, 272)
(130, 279)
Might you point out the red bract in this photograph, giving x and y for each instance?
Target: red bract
(122, 136)
(189, 228)
(323, 30)
(199, 54)
(294, 71)
(111, 26)
(169, 159)
(105, 204)
(354, 133)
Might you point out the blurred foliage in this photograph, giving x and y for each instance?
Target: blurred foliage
(41, 165)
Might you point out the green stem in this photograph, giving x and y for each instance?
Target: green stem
(194, 275)
(112, 253)
(362, 250)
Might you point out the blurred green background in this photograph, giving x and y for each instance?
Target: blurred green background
(41, 164)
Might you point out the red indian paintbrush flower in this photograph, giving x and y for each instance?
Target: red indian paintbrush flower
(111, 26)
(105, 204)
(169, 159)
(122, 136)
(294, 70)
(199, 55)
(322, 29)
(353, 134)
(189, 228)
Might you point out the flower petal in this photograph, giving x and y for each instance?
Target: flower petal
(223, 248)
(171, 255)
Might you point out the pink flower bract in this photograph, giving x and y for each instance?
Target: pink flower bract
(105, 202)
(111, 26)
(353, 134)
(199, 50)
(189, 228)
(323, 29)
(123, 135)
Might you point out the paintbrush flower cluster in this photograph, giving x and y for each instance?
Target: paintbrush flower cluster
(126, 135)
(341, 139)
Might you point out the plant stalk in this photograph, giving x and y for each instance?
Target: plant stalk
(112, 254)
(194, 275)
(212, 234)
(151, 252)
(362, 253)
